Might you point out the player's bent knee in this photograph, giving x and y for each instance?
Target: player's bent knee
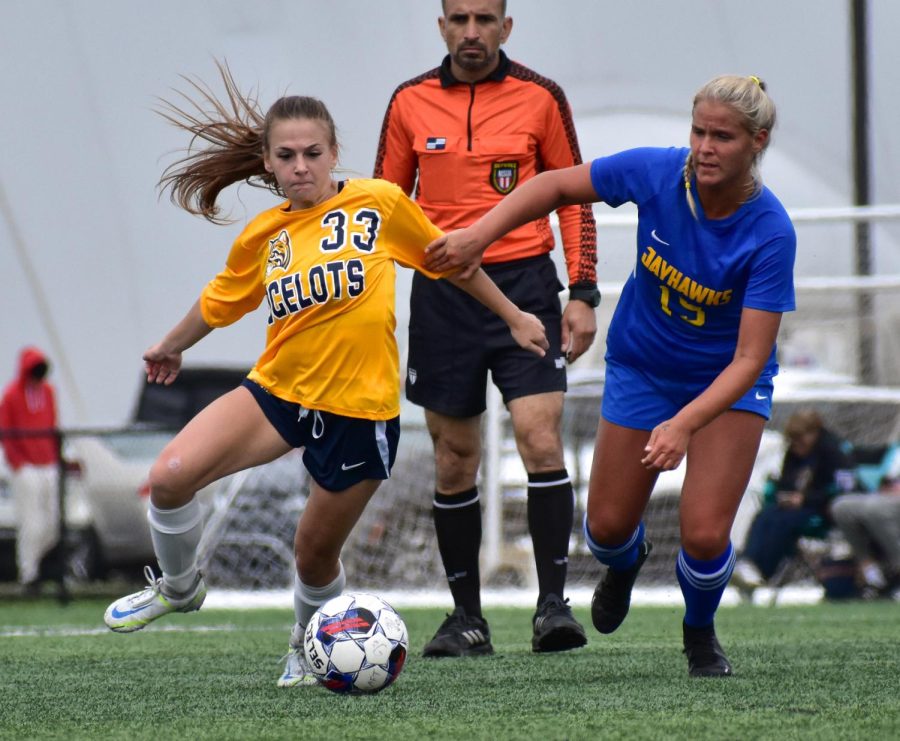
(316, 561)
(316, 571)
(608, 532)
(454, 473)
(457, 456)
(169, 485)
(705, 545)
(542, 450)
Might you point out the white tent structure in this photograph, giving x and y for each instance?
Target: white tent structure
(94, 267)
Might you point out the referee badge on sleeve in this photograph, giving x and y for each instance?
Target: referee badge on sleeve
(504, 176)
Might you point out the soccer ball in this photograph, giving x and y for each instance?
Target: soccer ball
(356, 644)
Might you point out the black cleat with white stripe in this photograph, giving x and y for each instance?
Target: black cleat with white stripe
(460, 635)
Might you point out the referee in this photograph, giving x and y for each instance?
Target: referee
(460, 137)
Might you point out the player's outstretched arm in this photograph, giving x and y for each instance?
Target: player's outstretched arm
(527, 330)
(162, 361)
(533, 199)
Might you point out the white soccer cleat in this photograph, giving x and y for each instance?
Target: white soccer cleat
(746, 575)
(137, 610)
(296, 670)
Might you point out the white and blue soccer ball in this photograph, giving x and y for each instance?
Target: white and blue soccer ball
(356, 644)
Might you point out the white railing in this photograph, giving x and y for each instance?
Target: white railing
(842, 214)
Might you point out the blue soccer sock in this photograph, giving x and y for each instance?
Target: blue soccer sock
(702, 584)
(618, 557)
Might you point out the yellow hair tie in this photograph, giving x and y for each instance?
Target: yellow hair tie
(756, 80)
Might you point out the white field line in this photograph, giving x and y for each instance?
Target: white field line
(578, 597)
(67, 632)
(225, 599)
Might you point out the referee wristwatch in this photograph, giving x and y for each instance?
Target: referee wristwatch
(585, 291)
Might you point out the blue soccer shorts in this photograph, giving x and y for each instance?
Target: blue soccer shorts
(634, 398)
(338, 451)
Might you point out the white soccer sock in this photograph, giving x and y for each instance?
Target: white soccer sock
(176, 535)
(308, 599)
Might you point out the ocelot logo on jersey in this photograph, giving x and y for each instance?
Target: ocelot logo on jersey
(279, 253)
(504, 176)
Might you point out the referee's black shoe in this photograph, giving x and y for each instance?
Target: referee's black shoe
(460, 635)
(704, 654)
(612, 597)
(555, 628)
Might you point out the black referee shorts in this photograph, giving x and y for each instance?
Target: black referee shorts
(454, 341)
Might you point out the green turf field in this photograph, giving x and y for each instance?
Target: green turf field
(828, 671)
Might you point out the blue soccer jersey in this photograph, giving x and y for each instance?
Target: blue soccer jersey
(680, 310)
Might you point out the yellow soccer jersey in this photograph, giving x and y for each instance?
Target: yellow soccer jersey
(327, 274)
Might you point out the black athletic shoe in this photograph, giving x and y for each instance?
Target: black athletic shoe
(704, 654)
(612, 597)
(460, 635)
(555, 628)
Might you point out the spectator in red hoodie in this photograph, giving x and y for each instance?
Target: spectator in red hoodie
(28, 407)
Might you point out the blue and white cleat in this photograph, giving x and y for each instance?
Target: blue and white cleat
(296, 670)
(137, 610)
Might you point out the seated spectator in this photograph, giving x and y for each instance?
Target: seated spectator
(871, 524)
(817, 465)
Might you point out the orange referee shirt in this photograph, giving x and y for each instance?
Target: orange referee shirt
(462, 147)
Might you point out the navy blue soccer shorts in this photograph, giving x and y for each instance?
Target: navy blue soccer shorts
(338, 451)
(636, 399)
(454, 341)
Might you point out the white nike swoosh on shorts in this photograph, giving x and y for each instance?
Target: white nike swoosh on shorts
(762, 397)
(345, 467)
